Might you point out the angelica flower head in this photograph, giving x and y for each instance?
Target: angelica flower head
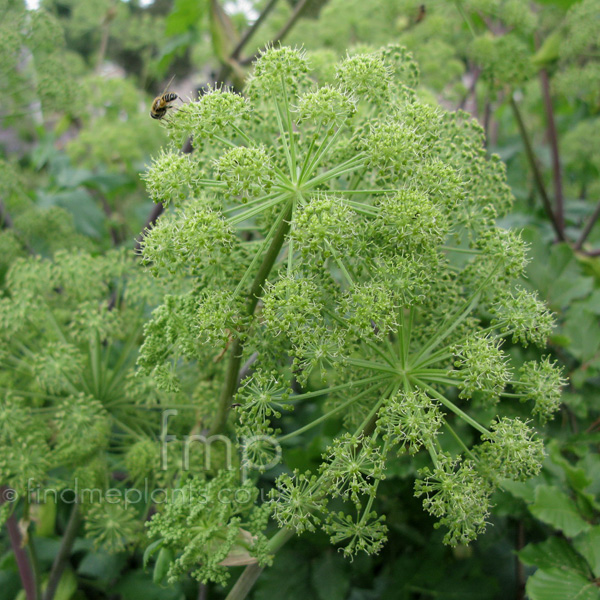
(541, 382)
(456, 494)
(353, 251)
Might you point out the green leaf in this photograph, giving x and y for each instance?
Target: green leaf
(593, 302)
(137, 586)
(186, 15)
(150, 550)
(576, 476)
(583, 347)
(554, 553)
(67, 585)
(163, 562)
(288, 578)
(555, 273)
(588, 545)
(46, 518)
(564, 4)
(556, 584)
(88, 218)
(70, 177)
(102, 566)
(549, 50)
(108, 182)
(329, 577)
(224, 36)
(555, 508)
(519, 489)
(174, 46)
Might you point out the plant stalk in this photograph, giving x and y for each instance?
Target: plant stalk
(251, 573)
(233, 368)
(553, 139)
(537, 176)
(588, 227)
(61, 559)
(26, 571)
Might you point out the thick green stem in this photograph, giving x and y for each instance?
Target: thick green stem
(251, 573)
(240, 286)
(233, 368)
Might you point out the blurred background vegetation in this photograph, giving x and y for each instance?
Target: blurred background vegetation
(77, 78)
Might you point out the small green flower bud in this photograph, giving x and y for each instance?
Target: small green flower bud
(364, 534)
(171, 178)
(410, 420)
(527, 317)
(458, 496)
(293, 503)
(279, 71)
(541, 382)
(248, 172)
(510, 451)
(365, 76)
(482, 367)
(326, 106)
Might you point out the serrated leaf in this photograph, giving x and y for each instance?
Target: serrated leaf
(555, 508)
(576, 476)
(583, 347)
(553, 553)
(519, 489)
(556, 584)
(556, 275)
(588, 545)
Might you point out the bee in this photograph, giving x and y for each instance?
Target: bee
(161, 104)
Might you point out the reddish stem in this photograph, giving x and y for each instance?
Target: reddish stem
(553, 140)
(16, 542)
(588, 227)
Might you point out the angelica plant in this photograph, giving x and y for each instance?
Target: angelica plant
(335, 246)
(71, 406)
